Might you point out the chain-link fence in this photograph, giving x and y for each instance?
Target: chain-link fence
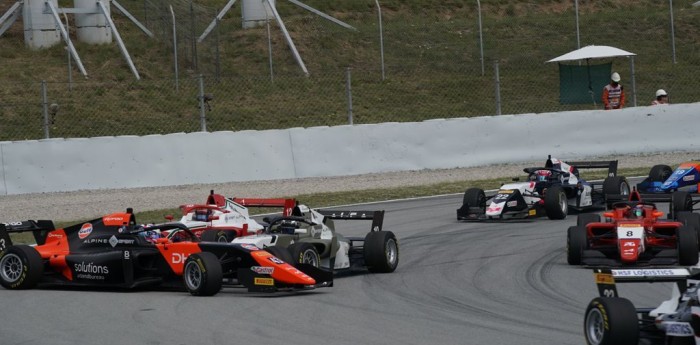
(432, 68)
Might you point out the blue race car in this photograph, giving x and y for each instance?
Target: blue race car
(664, 180)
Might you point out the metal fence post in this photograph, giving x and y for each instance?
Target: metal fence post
(269, 47)
(578, 33)
(177, 78)
(194, 40)
(202, 110)
(634, 83)
(348, 91)
(381, 37)
(498, 88)
(673, 34)
(45, 109)
(481, 37)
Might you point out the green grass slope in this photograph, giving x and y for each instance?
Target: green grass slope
(432, 57)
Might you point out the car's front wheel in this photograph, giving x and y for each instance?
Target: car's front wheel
(305, 253)
(611, 321)
(555, 203)
(202, 274)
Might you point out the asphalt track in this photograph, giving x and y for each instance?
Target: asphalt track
(457, 283)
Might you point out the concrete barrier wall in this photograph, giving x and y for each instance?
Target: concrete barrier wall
(176, 159)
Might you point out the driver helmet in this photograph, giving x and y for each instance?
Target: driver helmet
(542, 175)
(637, 212)
(288, 228)
(201, 215)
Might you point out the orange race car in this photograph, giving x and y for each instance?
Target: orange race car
(112, 251)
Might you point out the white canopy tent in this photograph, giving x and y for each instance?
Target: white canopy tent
(598, 52)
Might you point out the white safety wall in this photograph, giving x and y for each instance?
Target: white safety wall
(177, 159)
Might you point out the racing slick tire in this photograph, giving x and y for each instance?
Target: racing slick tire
(586, 218)
(21, 267)
(202, 274)
(474, 197)
(305, 253)
(281, 253)
(576, 243)
(611, 321)
(687, 239)
(660, 173)
(615, 185)
(556, 204)
(692, 220)
(381, 251)
(680, 201)
(218, 236)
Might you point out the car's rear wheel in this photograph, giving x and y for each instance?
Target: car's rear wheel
(611, 321)
(381, 251)
(617, 185)
(555, 203)
(305, 253)
(202, 274)
(576, 243)
(687, 243)
(218, 236)
(660, 173)
(21, 267)
(586, 218)
(692, 220)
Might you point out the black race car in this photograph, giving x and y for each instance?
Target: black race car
(113, 251)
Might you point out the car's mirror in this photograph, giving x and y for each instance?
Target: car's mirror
(169, 217)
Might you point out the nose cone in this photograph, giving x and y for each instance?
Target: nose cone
(283, 271)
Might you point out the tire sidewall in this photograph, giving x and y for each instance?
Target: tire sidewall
(209, 268)
(299, 251)
(687, 246)
(31, 269)
(576, 243)
(554, 201)
(375, 253)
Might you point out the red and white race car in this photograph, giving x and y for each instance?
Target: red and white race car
(633, 233)
(218, 220)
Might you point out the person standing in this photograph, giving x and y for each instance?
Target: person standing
(614, 93)
(661, 97)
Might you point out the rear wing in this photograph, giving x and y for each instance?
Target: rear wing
(288, 205)
(606, 278)
(39, 228)
(610, 165)
(377, 217)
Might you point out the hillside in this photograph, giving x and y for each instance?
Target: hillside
(432, 57)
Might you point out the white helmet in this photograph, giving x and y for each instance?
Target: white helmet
(661, 92)
(615, 77)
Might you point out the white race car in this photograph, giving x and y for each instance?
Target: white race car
(550, 190)
(218, 220)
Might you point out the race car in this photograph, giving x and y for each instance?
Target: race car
(550, 190)
(662, 179)
(633, 233)
(614, 320)
(310, 237)
(113, 251)
(218, 220)
(683, 182)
